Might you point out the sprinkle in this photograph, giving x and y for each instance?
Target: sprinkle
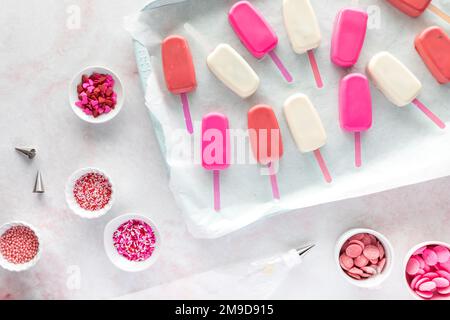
(134, 240)
(19, 244)
(96, 94)
(92, 191)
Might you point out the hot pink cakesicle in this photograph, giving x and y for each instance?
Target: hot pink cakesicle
(255, 33)
(355, 108)
(215, 149)
(348, 36)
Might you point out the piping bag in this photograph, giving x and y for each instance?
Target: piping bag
(244, 280)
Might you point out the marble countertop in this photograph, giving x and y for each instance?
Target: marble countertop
(42, 47)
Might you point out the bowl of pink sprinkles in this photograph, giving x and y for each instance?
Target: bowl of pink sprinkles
(90, 193)
(20, 248)
(132, 242)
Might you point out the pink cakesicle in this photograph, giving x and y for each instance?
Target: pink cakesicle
(265, 140)
(348, 36)
(255, 33)
(179, 72)
(355, 108)
(215, 149)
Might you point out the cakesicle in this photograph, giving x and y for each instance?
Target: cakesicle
(306, 128)
(433, 46)
(355, 108)
(303, 31)
(415, 8)
(215, 149)
(232, 69)
(348, 36)
(265, 140)
(398, 83)
(179, 71)
(255, 33)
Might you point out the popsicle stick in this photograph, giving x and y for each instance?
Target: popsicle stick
(280, 66)
(322, 165)
(429, 113)
(358, 149)
(187, 113)
(441, 14)
(216, 186)
(315, 69)
(273, 181)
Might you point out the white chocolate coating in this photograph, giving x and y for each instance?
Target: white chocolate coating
(232, 69)
(393, 79)
(301, 25)
(304, 123)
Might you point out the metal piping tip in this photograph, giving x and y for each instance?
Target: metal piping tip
(38, 184)
(303, 250)
(29, 152)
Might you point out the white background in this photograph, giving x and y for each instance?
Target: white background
(38, 57)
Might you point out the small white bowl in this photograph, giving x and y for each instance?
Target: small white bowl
(72, 203)
(373, 282)
(118, 260)
(24, 266)
(73, 94)
(405, 262)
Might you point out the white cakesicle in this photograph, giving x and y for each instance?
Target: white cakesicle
(304, 123)
(393, 79)
(232, 69)
(301, 25)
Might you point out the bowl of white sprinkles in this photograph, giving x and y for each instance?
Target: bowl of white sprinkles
(90, 193)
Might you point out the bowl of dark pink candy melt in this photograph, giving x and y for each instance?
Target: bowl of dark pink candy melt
(20, 248)
(96, 94)
(364, 257)
(427, 270)
(132, 242)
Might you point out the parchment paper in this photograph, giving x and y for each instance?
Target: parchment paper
(403, 147)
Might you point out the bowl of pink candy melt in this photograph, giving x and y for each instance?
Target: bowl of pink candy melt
(96, 94)
(20, 248)
(132, 242)
(427, 270)
(364, 257)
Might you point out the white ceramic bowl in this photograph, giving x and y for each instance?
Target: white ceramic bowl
(24, 266)
(72, 203)
(405, 262)
(73, 95)
(373, 282)
(120, 261)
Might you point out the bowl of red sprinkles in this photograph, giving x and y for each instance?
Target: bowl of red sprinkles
(20, 248)
(90, 193)
(96, 94)
(132, 242)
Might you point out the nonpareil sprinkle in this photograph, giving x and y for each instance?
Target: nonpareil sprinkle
(19, 244)
(96, 94)
(134, 240)
(92, 191)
